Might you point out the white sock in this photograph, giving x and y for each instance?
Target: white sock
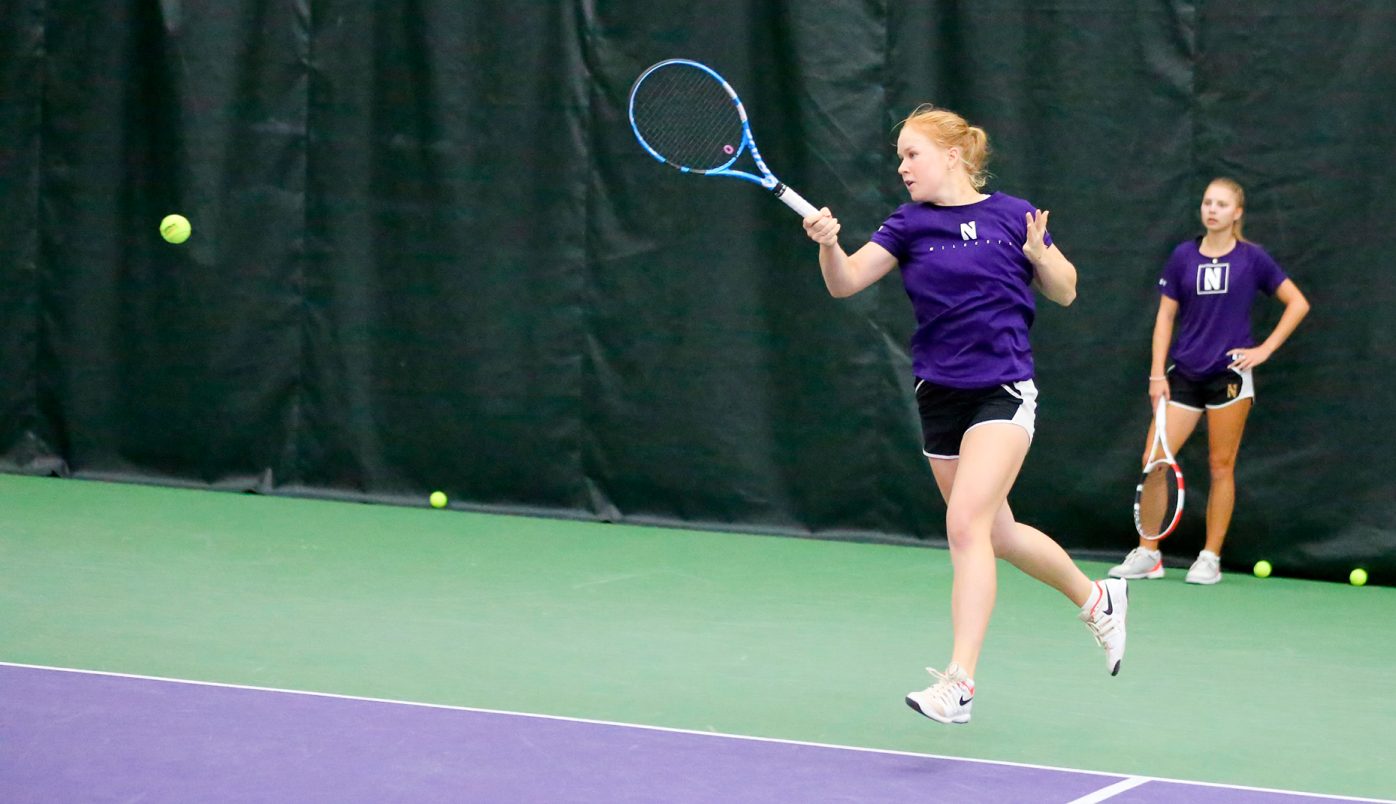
(1097, 592)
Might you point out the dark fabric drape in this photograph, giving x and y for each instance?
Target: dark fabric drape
(428, 254)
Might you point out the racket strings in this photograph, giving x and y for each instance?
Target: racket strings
(687, 117)
(1158, 500)
(691, 115)
(684, 119)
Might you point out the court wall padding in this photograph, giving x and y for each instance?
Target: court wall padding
(428, 254)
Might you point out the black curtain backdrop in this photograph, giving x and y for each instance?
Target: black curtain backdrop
(428, 254)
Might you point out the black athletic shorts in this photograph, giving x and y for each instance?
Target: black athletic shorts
(1226, 387)
(948, 413)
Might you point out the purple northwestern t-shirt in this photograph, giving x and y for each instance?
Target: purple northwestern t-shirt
(971, 287)
(1214, 296)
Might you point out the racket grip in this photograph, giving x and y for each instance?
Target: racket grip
(793, 200)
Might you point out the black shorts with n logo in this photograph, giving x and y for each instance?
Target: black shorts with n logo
(1226, 387)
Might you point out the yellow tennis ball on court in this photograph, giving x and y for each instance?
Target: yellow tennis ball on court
(438, 500)
(1262, 569)
(175, 228)
(1358, 577)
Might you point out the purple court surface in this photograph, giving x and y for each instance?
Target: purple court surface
(76, 737)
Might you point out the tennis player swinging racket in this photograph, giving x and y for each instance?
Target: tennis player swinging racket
(970, 263)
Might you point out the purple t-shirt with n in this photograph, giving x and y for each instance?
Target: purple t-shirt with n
(971, 287)
(1214, 296)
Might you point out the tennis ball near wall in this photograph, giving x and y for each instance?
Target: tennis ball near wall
(438, 499)
(1262, 569)
(175, 228)
(1358, 577)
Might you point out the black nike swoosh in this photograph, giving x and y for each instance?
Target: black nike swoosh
(964, 701)
(1109, 604)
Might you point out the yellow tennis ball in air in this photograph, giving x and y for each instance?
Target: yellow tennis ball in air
(1358, 577)
(438, 500)
(1262, 569)
(175, 228)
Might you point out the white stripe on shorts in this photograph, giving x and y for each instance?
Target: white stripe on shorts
(1026, 415)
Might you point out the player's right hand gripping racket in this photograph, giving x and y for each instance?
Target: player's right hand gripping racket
(1158, 499)
(685, 115)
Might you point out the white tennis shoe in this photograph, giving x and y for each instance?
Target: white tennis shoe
(1206, 569)
(1104, 613)
(1140, 563)
(948, 700)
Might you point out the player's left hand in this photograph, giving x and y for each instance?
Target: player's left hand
(1035, 249)
(1245, 359)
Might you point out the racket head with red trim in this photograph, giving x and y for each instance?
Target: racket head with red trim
(1158, 497)
(1158, 500)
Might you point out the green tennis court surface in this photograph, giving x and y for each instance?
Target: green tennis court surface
(1274, 683)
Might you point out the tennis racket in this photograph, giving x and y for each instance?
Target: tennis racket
(1158, 499)
(686, 115)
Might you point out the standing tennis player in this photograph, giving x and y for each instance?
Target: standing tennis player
(1207, 287)
(970, 262)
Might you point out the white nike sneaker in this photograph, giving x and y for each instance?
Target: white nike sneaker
(1206, 569)
(1104, 613)
(1140, 563)
(948, 700)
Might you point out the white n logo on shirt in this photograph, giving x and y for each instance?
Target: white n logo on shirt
(969, 231)
(1213, 278)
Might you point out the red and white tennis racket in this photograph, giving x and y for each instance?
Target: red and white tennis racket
(1158, 499)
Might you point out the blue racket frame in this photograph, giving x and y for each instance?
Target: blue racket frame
(748, 143)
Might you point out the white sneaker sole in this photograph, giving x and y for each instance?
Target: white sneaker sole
(1156, 572)
(911, 702)
(1203, 581)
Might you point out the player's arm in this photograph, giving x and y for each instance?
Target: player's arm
(1163, 336)
(1296, 307)
(845, 275)
(1053, 273)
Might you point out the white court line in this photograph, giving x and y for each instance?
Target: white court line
(1131, 777)
(1111, 791)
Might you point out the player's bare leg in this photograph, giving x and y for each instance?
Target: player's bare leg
(1225, 426)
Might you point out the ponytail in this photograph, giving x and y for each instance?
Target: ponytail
(949, 130)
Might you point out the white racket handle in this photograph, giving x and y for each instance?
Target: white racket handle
(1161, 430)
(793, 200)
